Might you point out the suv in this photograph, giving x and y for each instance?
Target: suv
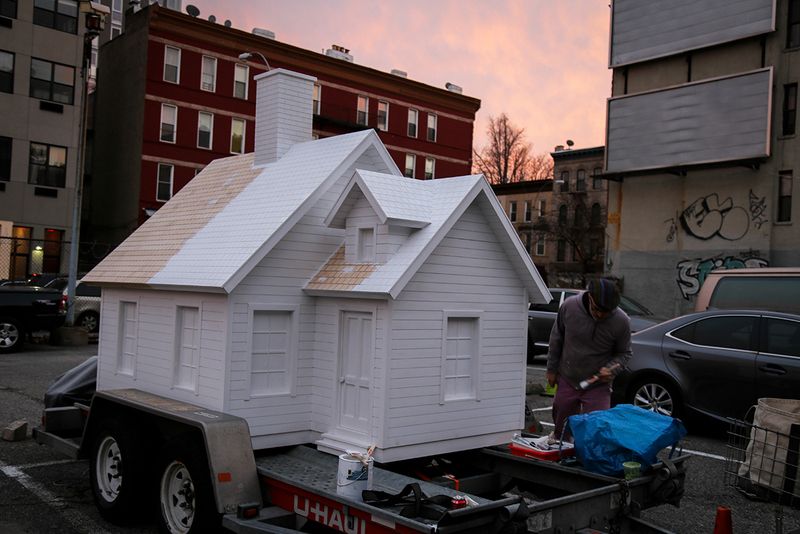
(86, 303)
(766, 288)
(542, 316)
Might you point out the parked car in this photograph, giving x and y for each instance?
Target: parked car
(767, 288)
(25, 309)
(542, 316)
(716, 363)
(86, 303)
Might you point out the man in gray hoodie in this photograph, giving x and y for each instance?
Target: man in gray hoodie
(590, 340)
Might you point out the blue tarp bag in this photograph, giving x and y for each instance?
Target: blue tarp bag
(605, 439)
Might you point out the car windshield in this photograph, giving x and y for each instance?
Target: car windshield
(631, 307)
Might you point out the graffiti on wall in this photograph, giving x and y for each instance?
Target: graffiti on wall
(758, 210)
(707, 217)
(692, 273)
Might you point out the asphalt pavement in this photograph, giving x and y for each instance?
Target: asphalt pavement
(42, 491)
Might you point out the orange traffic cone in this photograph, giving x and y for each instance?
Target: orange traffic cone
(723, 525)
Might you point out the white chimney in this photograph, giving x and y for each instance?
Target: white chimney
(283, 112)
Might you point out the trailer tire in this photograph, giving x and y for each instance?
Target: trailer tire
(185, 496)
(117, 472)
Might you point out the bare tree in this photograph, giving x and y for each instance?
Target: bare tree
(509, 157)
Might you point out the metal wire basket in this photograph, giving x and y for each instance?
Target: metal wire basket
(763, 463)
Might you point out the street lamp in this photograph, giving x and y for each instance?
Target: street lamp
(244, 56)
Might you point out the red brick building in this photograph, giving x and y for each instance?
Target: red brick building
(172, 95)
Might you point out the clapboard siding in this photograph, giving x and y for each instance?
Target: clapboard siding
(469, 270)
(277, 281)
(155, 344)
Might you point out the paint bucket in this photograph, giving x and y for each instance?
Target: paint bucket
(353, 477)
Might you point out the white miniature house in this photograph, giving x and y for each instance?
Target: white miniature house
(314, 291)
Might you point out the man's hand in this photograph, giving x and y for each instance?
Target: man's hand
(551, 377)
(605, 375)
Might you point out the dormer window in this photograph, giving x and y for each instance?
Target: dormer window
(366, 245)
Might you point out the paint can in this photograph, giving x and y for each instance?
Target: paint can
(353, 476)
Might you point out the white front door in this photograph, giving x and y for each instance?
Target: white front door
(355, 371)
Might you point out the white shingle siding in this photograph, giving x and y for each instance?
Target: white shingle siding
(468, 274)
(283, 108)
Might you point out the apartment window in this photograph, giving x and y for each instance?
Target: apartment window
(93, 58)
(366, 245)
(580, 216)
(580, 181)
(58, 14)
(5, 158)
(205, 129)
(8, 8)
(528, 240)
(413, 116)
(363, 109)
(271, 353)
(793, 26)
(512, 211)
(187, 347)
(411, 163)
(52, 81)
(430, 168)
(169, 123)
(460, 358)
(241, 77)
(172, 64)
(597, 180)
(237, 136)
(6, 72)
(164, 183)
(383, 115)
(541, 208)
(561, 250)
(432, 120)
(564, 181)
(48, 165)
(594, 248)
(562, 215)
(527, 216)
(208, 74)
(116, 18)
(596, 214)
(789, 108)
(785, 196)
(540, 248)
(20, 251)
(126, 340)
(317, 99)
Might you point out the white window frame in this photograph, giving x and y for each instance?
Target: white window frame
(540, 248)
(413, 118)
(210, 131)
(526, 214)
(171, 180)
(475, 364)
(194, 365)
(124, 334)
(512, 211)
(366, 244)
(244, 134)
(174, 124)
(178, 66)
(365, 100)
(385, 126)
(435, 120)
(430, 168)
(291, 353)
(203, 73)
(237, 68)
(413, 166)
(316, 99)
(540, 207)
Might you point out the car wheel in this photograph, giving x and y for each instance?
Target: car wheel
(11, 334)
(117, 473)
(90, 321)
(656, 395)
(186, 500)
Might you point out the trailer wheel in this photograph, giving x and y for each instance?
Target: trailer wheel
(186, 500)
(117, 473)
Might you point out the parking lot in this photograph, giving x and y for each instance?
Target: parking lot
(45, 492)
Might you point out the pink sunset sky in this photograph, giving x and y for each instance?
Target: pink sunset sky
(543, 63)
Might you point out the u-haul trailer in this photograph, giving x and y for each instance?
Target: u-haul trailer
(200, 467)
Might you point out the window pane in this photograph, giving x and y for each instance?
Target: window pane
(209, 74)
(41, 70)
(724, 332)
(5, 158)
(412, 122)
(68, 7)
(204, 126)
(783, 337)
(62, 93)
(58, 156)
(38, 154)
(164, 191)
(64, 75)
(49, 5)
(237, 136)
(6, 61)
